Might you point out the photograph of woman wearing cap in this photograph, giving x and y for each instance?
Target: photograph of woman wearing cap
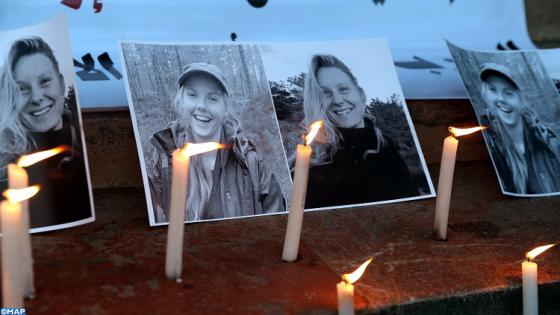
(227, 183)
(358, 163)
(525, 151)
(39, 112)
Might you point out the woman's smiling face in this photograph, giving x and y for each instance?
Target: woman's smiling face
(345, 101)
(204, 106)
(504, 98)
(42, 91)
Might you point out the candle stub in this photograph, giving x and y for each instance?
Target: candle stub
(345, 293)
(530, 288)
(345, 289)
(530, 284)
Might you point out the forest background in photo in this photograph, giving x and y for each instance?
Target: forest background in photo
(153, 70)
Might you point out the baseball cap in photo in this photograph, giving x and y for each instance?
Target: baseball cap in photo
(202, 67)
(502, 71)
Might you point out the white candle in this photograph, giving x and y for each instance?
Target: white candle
(12, 285)
(445, 184)
(530, 281)
(297, 204)
(177, 208)
(299, 190)
(175, 232)
(18, 179)
(530, 288)
(345, 292)
(345, 289)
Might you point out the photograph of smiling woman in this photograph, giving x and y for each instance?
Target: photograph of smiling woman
(196, 93)
(368, 152)
(513, 95)
(43, 114)
(232, 182)
(525, 151)
(357, 163)
(13, 136)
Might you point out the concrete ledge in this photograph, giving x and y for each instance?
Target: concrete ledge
(501, 301)
(116, 264)
(112, 154)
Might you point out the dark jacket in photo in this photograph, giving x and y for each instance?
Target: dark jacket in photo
(367, 168)
(64, 193)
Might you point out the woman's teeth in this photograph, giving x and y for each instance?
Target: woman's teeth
(505, 109)
(343, 112)
(202, 118)
(41, 111)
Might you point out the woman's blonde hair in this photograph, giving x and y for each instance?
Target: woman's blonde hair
(29, 46)
(315, 105)
(200, 181)
(36, 45)
(13, 136)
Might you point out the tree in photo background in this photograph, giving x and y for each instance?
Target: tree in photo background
(288, 103)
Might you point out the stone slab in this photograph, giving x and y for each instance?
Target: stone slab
(116, 265)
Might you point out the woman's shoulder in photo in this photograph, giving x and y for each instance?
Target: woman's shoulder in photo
(167, 139)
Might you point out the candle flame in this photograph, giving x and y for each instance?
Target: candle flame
(30, 159)
(537, 251)
(457, 132)
(354, 276)
(18, 195)
(191, 149)
(313, 132)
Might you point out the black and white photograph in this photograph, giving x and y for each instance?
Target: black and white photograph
(40, 112)
(367, 151)
(514, 95)
(198, 93)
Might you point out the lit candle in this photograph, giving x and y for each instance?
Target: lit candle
(530, 281)
(299, 189)
(18, 179)
(179, 188)
(12, 272)
(345, 289)
(445, 182)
